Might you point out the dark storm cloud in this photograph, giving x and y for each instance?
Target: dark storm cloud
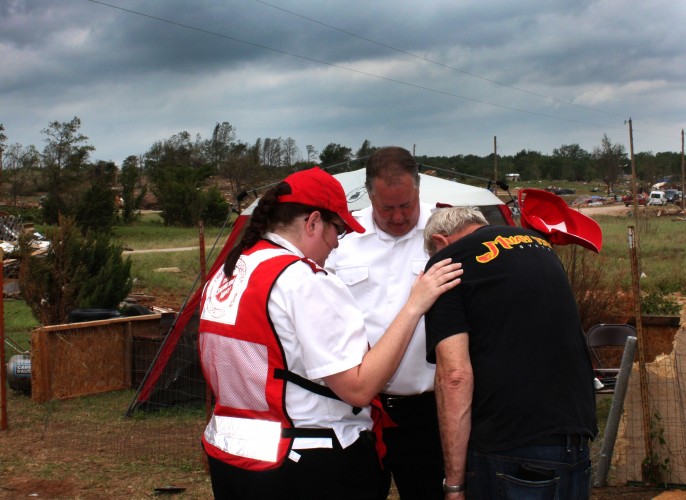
(445, 75)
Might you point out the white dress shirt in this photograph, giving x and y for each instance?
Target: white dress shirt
(379, 269)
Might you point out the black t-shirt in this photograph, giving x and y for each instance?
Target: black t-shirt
(532, 372)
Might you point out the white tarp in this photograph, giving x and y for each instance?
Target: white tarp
(432, 190)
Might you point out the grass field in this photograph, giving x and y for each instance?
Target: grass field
(85, 448)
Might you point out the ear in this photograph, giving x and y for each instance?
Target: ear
(440, 241)
(310, 222)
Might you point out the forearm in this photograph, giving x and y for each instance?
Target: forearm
(359, 385)
(454, 386)
(453, 400)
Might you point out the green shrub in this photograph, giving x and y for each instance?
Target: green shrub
(216, 208)
(659, 304)
(76, 272)
(96, 210)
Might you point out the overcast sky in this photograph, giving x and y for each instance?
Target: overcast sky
(441, 76)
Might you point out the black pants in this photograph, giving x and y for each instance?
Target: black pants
(353, 473)
(414, 452)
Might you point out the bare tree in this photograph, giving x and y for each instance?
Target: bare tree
(311, 152)
(272, 152)
(291, 154)
(219, 147)
(19, 163)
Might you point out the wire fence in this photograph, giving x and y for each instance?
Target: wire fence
(168, 432)
(651, 440)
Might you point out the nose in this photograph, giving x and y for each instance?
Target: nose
(398, 215)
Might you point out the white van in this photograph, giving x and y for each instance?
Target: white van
(657, 198)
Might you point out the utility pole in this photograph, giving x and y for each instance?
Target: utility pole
(682, 169)
(634, 194)
(495, 165)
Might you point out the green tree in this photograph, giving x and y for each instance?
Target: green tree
(64, 157)
(96, 211)
(179, 194)
(179, 149)
(365, 150)
(529, 165)
(216, 209)
(131, 201)
(610, 158)
(334, 154)
(177, 168)
(76, 272)
(575, 162)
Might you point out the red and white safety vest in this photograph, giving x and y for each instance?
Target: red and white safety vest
(244, 363)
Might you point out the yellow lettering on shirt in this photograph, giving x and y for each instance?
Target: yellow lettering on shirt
(507, 243)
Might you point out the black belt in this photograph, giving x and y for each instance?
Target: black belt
(391, 400)
(306, 432)
(576, 440)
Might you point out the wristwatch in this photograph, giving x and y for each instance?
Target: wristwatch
(453, 488)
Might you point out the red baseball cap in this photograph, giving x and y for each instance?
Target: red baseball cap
(319, 189)
(549, 214)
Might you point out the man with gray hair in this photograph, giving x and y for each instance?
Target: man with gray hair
(514, 390)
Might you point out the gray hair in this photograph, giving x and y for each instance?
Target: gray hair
(447, 221)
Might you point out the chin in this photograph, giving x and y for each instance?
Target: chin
(398, 231)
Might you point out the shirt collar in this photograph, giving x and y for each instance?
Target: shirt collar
(280, 240)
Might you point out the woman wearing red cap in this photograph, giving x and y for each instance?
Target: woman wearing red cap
(284, 349)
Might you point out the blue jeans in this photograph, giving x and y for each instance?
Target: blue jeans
(555, 472)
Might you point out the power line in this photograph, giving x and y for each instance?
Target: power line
(372, 75)
(446, 66)
(438, 63)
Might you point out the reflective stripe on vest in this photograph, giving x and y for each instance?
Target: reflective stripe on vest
(244, 437)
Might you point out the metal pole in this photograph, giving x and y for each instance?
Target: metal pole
(615, 414)
(3, 372)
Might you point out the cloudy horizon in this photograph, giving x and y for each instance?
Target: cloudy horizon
(443, 78)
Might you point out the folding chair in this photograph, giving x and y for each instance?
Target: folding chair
(606, 343)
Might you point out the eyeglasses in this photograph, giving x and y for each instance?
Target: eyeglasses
(341, 230)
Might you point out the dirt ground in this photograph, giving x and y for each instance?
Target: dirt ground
(620, 210)
(46, 454)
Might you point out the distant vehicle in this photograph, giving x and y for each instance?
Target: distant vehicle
(657, 198)
(628, 199)
(673, 195)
